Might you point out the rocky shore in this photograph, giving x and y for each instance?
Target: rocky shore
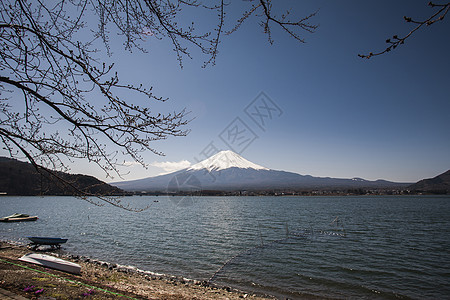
(100, 280)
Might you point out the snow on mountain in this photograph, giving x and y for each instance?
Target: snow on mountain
(225, 160)
(229, 171)
(358, 179)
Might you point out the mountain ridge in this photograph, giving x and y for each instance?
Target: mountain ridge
(20, 178)
(229, 171)
(439, 184)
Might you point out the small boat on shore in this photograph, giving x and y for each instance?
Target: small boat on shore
(46, 240)
(52, 262)
(18, 218)
(37, 241)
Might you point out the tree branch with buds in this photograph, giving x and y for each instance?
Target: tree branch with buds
(60, 102)
(396, 40)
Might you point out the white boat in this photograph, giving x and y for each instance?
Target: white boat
(52, 262)
(18, 218)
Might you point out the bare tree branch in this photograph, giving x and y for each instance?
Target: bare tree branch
(49, 77)
(396, 41)
(292, 27)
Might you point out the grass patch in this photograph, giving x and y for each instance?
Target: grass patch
(40, 278)
(59, 296)
(50, 285)
(115, 278)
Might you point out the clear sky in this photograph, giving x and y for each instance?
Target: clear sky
(333, 113)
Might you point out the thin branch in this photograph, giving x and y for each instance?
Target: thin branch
(396, 41)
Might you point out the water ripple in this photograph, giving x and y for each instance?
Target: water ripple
(392, 247)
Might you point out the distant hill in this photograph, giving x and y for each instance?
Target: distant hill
(436, 185)
(21, 179)
(228, 171)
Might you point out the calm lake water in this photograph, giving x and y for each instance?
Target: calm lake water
(394, 247)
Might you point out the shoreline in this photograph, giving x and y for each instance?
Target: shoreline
(101, 280)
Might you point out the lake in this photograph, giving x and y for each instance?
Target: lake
(377, 247)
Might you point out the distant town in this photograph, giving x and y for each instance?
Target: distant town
(348, 192)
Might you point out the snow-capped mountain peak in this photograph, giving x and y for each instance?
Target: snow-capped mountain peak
(235, 173)
(225, 160)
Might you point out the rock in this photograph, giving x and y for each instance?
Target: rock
(205, 283)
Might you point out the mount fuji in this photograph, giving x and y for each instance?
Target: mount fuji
(228, 171)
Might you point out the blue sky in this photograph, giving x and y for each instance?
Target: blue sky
(339, 115)
(342, 116)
